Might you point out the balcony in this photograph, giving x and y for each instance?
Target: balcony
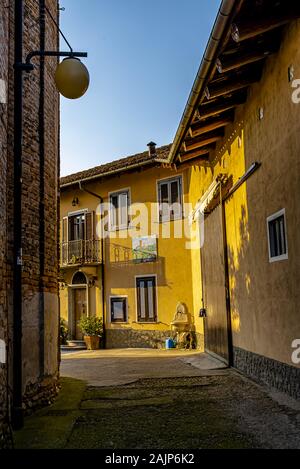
(81, 252)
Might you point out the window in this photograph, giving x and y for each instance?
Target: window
(278, 249)
(118, 309)
(170, 199)
(78, 227)
(146, 299)
(79, 279)
(119, 210)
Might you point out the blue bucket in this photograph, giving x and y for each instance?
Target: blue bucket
(170, 344)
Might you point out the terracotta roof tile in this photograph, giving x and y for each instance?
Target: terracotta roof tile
(120, 165)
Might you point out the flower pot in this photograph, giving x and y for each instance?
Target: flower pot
(92, 342)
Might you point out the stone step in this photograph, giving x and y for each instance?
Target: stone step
(67, 348)
(76, 343)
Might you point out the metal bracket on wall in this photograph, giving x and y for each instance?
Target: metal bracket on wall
(28, 66)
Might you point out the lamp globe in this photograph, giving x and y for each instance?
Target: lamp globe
(72, 78)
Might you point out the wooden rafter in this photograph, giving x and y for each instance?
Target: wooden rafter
(257, 26)
(233, 85)
(203, 153)
(208, 139)
(224, 66)
(214, 125)
(218, 107)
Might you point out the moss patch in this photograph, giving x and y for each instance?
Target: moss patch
(50, 427)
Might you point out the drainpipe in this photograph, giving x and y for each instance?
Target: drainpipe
(83, 189)
(226, 11)
(41, 131)
(17, 413)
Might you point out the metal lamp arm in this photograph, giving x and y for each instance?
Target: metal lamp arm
(28, 66)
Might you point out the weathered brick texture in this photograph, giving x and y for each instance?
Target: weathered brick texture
(4, 20)
(40, 292)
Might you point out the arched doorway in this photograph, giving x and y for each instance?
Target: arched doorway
(79, 303)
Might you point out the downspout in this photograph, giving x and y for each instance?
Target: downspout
(41, 132)
(17, 412)
(226, 10)
(83, 189)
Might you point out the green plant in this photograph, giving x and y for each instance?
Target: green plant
(64, 331)
(91, 326)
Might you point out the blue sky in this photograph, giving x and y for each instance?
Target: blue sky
(143, 58)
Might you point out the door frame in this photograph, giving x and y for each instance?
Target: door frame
(71, 307)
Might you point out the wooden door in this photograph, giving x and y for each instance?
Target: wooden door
(80, 309)
(216, 325)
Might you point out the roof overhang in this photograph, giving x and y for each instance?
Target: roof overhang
(245, 34)
(106, 174)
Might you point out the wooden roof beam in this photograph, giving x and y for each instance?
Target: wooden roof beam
(224, 65)
(212, 109)
(217, 124)
(243, 31)
(204, 153)
(203, 142)
(224, 88)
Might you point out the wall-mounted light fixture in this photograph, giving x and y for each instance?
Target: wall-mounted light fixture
(71, 77)
(75, 202)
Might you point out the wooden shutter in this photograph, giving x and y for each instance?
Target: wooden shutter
(123, 210)
(65, 226)
(164, 201)
(89, 226)
(176, 198)
(146, 297)
(113, 213)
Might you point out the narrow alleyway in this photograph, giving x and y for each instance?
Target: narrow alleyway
(155, 400)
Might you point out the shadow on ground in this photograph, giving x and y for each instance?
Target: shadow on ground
(220, 411)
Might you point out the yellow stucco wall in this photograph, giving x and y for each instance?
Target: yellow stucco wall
(264, 296)
(176, 262)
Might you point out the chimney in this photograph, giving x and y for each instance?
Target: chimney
(152, 149)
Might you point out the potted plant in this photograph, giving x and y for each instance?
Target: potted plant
(63, 332)
(92, 329)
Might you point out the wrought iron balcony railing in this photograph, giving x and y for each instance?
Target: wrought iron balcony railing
(80, 252)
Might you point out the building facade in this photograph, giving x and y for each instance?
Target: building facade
(122, 257)
(235, 161)
(40, 169)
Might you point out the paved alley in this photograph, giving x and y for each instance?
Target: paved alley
(160, 400)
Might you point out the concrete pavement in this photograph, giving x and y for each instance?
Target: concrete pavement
(123, 366)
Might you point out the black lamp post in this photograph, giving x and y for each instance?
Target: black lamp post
(73, 81)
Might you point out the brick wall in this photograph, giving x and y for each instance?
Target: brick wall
(39, 207)
(4, 18)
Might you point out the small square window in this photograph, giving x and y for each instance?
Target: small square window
(278, 248)
(118, 309)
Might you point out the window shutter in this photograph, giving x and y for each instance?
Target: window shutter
(176, 201)
(89, 226)
(164, 200)
(123, 210)
(113, 212)
(65, 225)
